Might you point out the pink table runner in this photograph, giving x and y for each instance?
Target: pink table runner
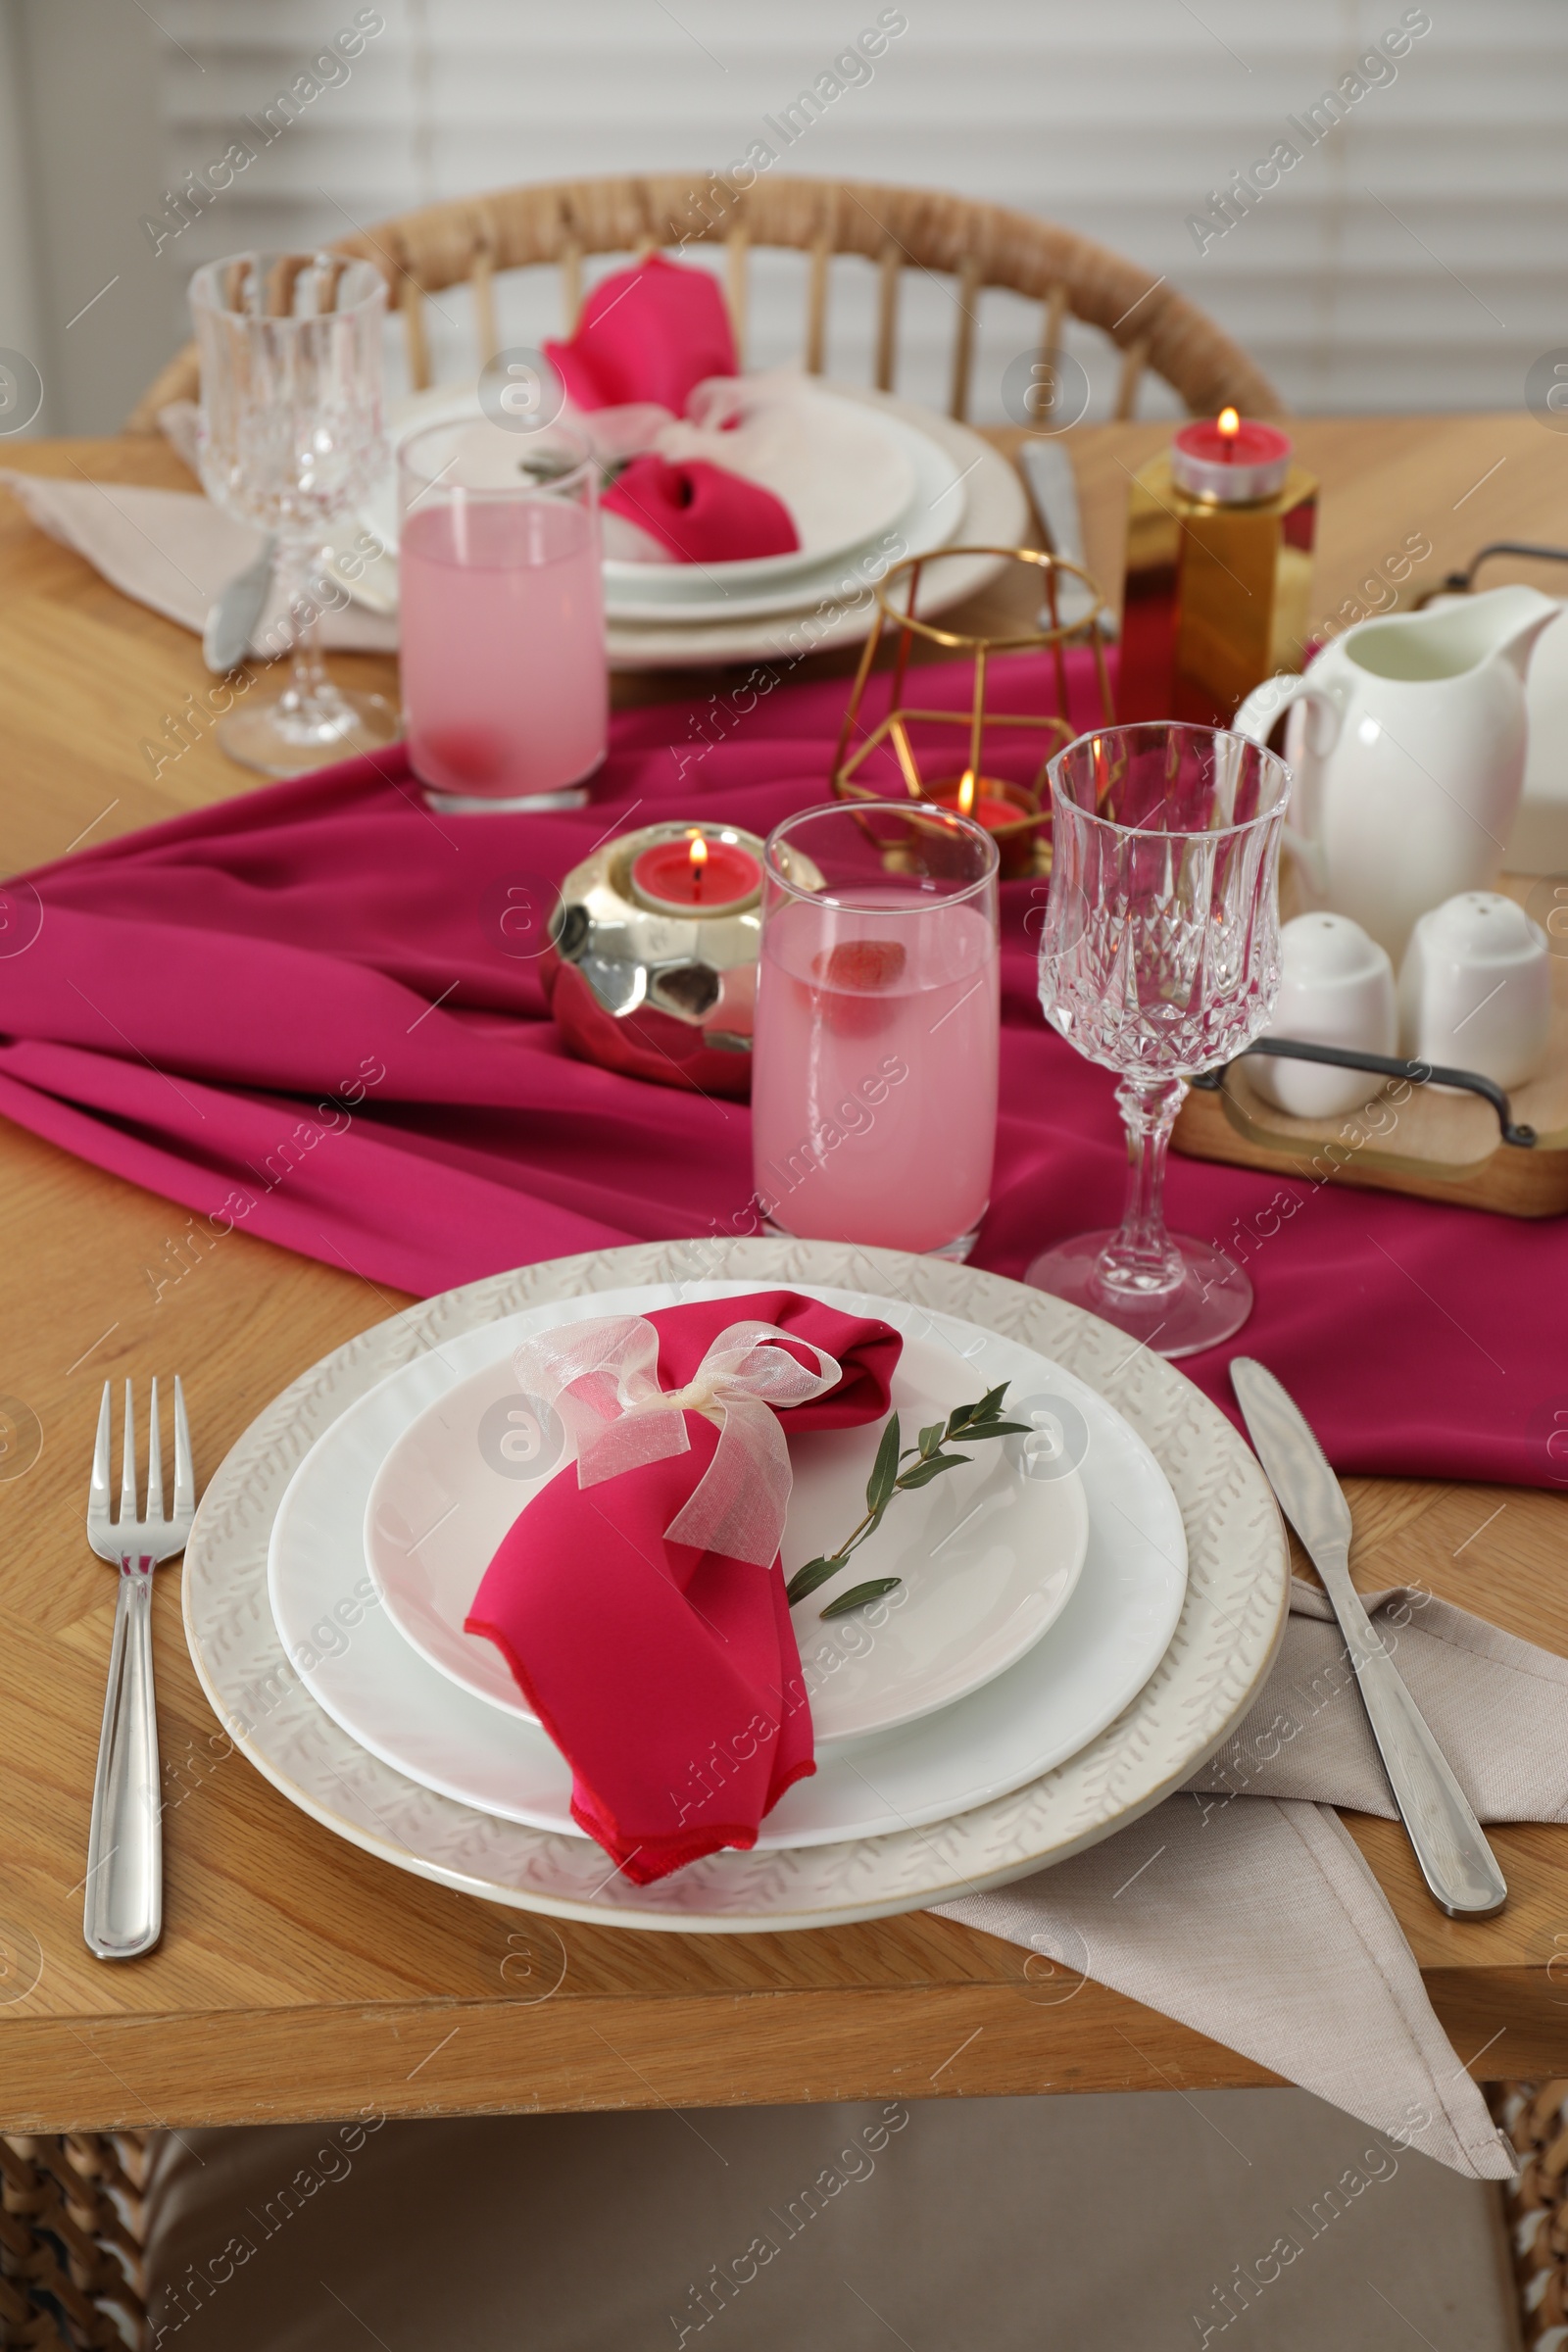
(313, 1013)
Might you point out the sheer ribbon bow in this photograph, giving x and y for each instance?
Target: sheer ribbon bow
(603, 1380)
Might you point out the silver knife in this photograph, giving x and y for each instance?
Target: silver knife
(234, 611)
(1048, 472)
(1457, 1862)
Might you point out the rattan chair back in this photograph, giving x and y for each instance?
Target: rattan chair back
(967, 245)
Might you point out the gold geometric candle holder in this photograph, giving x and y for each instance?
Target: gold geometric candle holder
(1017, 815)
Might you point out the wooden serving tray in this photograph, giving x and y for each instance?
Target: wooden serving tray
(1427, 1140)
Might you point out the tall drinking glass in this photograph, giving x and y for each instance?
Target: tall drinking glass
(290, 439)
(874, 1056)
(1159, 957)
(505, 677)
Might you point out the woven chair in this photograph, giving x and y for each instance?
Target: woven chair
(1535, 2117)
(899, 229)
(70, 2242)
(71, 2229)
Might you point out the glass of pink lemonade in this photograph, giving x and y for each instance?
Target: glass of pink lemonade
(504, 680)
(874, 1060)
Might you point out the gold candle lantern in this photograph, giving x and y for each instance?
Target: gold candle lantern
(1219, 571)
(1017, 815)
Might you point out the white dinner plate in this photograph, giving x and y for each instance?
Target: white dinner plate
(988, 1556)
(1227, 1634)
(1109, 1639)
(899, 467)
(996, 514)
(930, 517)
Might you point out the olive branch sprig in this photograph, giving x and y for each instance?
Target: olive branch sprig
(965, 1425)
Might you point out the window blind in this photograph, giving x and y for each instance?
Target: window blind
(1412, 255)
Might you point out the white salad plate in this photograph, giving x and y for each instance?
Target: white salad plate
(988, 1554)
(847, 474)
(1227, 1634)
(1112, 1630)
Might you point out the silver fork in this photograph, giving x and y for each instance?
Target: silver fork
(124, 1913)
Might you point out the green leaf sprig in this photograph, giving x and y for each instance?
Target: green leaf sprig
(965, 1425)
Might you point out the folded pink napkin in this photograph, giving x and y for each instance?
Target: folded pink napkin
(654, 332)
(639, 1599)
(653, 335)
(702, 512)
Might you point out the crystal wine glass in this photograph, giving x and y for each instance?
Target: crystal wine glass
(291, 440)
(1159, 957)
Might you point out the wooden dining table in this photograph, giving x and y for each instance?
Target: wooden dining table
(299, 1977)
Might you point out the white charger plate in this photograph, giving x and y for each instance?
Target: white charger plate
(1110, 1636)
(988, 1556)
(1227, 1636)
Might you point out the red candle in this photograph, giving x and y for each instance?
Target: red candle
(696, 872)
(983, 800)
(1236, 460)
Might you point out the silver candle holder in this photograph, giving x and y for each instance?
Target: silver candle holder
(650, 989)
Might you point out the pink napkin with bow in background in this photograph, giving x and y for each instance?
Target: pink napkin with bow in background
(313, 1013)
(653, 333)
(665, 1670)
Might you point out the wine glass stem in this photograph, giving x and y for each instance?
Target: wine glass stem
(310, 690)
(1143, 1257)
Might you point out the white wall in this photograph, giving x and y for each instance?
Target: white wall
(21, 327)
(1416, 258)
(89, 82)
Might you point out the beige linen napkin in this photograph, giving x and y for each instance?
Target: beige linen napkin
(175, 551)
(1244, 1908)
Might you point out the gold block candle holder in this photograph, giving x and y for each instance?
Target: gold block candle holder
(1016, 814)
(1218, 571)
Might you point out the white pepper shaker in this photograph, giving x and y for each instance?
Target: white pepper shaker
(1475, 989)
(1336, 989)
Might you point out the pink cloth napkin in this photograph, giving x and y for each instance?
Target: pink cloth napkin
(654, 332)
(653, 335)
(701, 512)
(670, 1677)
(313, 1013)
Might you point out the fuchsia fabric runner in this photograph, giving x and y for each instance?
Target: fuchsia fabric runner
(313, 1013)
(676, 1697)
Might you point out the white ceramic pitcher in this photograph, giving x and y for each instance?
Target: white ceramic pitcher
(1409, 755)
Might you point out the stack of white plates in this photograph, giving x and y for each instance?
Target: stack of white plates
(925, 484)
(1075, 1631)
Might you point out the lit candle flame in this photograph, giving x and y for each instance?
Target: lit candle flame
(966, 785)
(1229, 423)
(698, 859)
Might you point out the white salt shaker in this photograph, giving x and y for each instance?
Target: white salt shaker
(1337, 989)
(1475, 989)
